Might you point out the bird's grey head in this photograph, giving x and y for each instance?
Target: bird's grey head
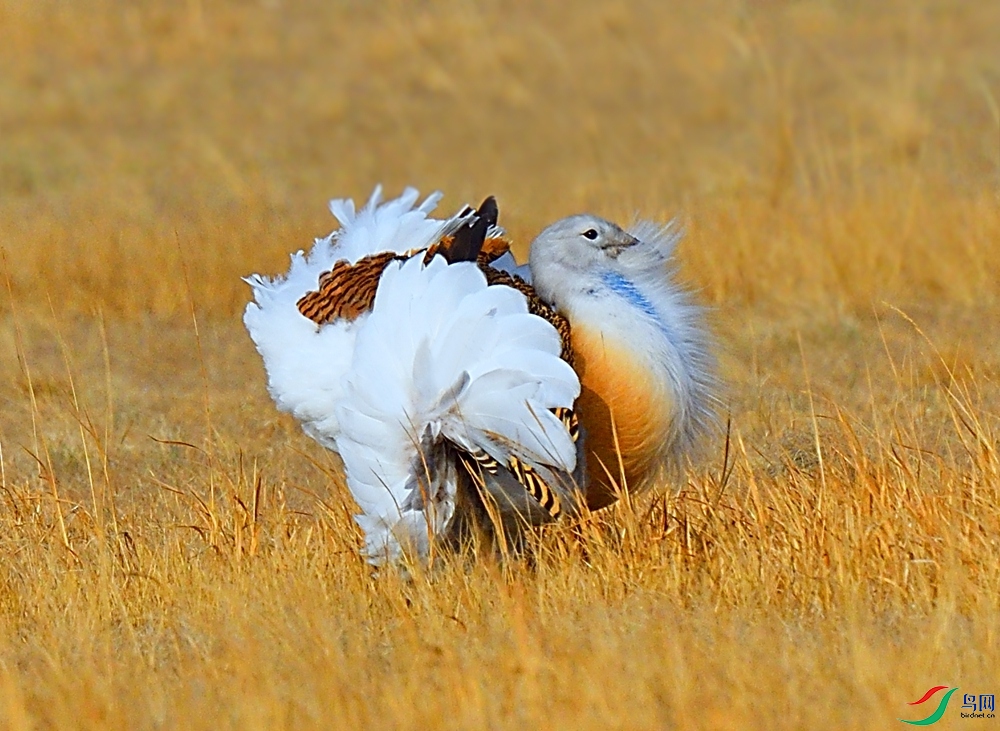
(572, 247)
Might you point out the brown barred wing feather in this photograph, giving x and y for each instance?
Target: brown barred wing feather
(347, 290)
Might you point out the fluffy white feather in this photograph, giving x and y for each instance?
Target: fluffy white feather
(397, 225)
(306, 364)
(444, 357)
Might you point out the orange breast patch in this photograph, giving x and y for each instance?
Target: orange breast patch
(626, 413)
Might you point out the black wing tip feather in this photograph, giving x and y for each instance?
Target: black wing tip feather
(489, 213)
(469, 239)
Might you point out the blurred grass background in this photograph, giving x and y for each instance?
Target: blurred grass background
(855, 149)
(176, 554)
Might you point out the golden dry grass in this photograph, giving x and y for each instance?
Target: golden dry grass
(175, 554)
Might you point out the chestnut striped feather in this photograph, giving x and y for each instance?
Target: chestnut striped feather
(347, 290)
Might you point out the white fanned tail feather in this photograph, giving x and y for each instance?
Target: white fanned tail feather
(442, 359)
(306, 363)
(445, 358)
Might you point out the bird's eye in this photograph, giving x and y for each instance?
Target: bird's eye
(590, 233)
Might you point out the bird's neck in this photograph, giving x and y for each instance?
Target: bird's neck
(611, 305)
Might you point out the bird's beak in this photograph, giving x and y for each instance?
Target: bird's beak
(621, 242)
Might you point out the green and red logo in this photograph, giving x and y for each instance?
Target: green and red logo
(979, 706)
(942, 706)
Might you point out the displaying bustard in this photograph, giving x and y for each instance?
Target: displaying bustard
(449, 379)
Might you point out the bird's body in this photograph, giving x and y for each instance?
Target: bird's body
(640, 346)
(418, 351)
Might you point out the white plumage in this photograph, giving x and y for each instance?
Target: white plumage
(445, 357)
(442, 364)
(306, 365)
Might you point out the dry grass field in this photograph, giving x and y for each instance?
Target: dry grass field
(175, 554)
